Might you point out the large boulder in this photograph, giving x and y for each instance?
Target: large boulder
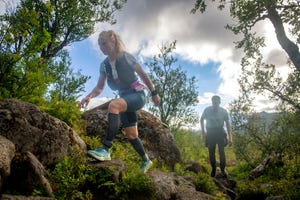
(7, 152)
(28, 175)
(171, 186)
(157, 137)
(33, 130)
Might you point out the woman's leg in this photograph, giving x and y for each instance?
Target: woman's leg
(132, 134)
(129, 121)
(114, 109)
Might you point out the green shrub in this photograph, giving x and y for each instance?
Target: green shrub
(204, 183)
(136, 184)
(68, 177)
(66, 111)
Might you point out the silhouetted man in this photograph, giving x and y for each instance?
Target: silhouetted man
(214, 133)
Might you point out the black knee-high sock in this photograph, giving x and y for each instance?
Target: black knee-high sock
(113, 128)
(139, 148)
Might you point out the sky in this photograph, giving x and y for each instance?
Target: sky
(204, 49)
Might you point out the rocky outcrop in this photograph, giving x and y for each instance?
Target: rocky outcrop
(156, 137)
(27, 175)
(31, 141)
(7, 152)
(33, 130)
(171, 186)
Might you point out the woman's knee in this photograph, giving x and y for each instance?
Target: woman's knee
(116, 106)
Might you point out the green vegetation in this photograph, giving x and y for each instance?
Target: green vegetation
(73, 178)
(204, 183)
(35, 68)
(177, 91)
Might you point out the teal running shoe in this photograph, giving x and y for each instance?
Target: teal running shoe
(146, 165)
(101, 154)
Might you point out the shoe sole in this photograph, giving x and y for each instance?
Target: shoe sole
(147, 168)
(100, 158)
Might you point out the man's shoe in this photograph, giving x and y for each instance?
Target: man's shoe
(101, 154)
(224, 173)
(146, 165)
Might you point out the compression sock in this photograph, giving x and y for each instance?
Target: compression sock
(113, 128)
(139, 148)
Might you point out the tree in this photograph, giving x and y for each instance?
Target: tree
(257, 76)
(249, 12)
(35, 32)
(255, 139)
(68, 85)
(178, 92)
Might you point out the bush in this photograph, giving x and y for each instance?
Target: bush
(136, 184)
(204, 183)
(68, 177)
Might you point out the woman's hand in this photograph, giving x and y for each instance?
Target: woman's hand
(84, 102)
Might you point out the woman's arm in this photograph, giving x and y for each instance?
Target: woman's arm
(95, 92)
(145, 78)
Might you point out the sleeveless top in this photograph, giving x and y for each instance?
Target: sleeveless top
(125, 76)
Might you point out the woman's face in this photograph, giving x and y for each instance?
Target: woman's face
(107, 46)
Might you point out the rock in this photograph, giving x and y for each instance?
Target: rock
(156, 137)
(13, 197)
(7, 152)
(108, 171)
(171, 186)
(226, 185)
(28, 174)
(195, 167)
(117, 167)
(33, 130)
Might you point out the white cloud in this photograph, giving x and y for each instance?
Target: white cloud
(202, 38)
(144, 25)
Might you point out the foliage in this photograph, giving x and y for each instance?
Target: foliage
(68, 85)
(255, 137)
(136, 184)
(34, 33)
(248, 13)
(191, 146)
(204, 183)
(66, 111)
(67, 178)
(178, 92)
(260, 188)
(73, 178)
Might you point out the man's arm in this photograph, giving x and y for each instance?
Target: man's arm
(228, 126)
(202, 126)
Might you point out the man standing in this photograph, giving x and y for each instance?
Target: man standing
(214, 134)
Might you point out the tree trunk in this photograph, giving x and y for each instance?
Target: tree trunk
(290, 47)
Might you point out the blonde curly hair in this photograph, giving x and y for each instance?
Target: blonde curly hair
(112, 36)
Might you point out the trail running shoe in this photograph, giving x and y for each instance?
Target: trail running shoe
(100, 154)
(146, 165)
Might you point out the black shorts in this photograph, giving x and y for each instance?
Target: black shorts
(135, 101)
(216, 136)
